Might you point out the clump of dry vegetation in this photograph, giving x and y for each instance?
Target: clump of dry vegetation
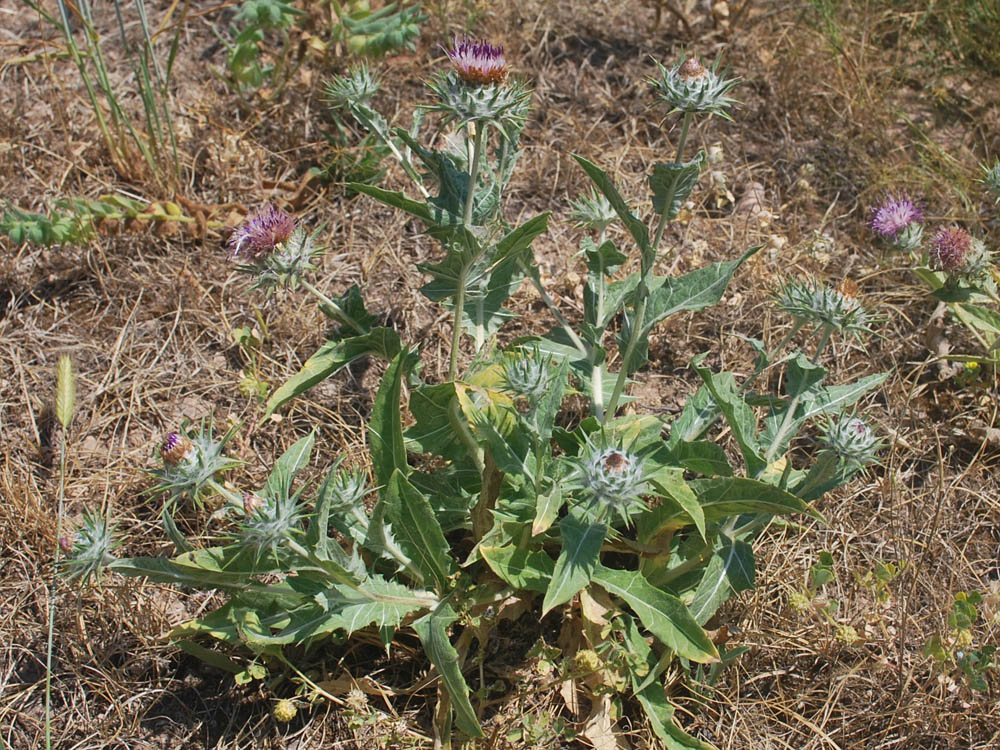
(861, 629)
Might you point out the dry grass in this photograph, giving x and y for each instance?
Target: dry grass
(834, 114)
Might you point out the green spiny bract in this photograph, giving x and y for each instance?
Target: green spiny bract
(503, 104)
(815, 304)
(852, 441)
(691, 87)
(89, 549)
(191, 460)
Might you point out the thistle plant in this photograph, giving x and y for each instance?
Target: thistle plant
(956, 265)
(634, 539)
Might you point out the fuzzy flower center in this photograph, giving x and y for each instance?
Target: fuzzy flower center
(478, 63)
(949, 249)
(261, 232)
(894, 215)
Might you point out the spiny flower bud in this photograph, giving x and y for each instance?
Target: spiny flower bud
(949, 249)
(527, 376)
(261, 232)
(991, 179)
(978, 262)
(909, 238)
(175, 449)
(809, 302)
(90, 548)
(190, 461)
(895, 214)
(271, 522)
(852, 440)
(355, 88)
(478, 63)
(691, 87)
(611, 478)
(592, 211)
(286, 263)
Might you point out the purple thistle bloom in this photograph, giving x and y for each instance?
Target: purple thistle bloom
(261, 232)
(894, 215)
(949, 249)
(174, 449)
(478, 63)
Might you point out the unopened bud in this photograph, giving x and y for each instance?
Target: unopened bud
(691, 69)
(175, 449)
(252, 502)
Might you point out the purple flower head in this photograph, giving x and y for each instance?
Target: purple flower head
(894, 215)
(478, 63)
(175, 449)
(261, 232)
(949, 249)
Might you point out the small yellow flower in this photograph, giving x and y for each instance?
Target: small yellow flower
(799, 602)
(587, 661)
(846, 635)
(284, 711)
(963, 638)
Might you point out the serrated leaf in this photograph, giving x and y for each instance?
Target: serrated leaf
(730, 570)
(739, 416)
(432, 629)
(417, 530)
(682, 176)
(604, 184)
(692, 291)
(523, 569)
(662, 614)
(581, 548)
(331, 358)
(291, 462)
(385, 428)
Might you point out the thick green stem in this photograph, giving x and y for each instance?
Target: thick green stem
(633, 340)
(334, 306)
(789, 418)
(477, 152)
(456, 331)
(685, 127)
(642, 291)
